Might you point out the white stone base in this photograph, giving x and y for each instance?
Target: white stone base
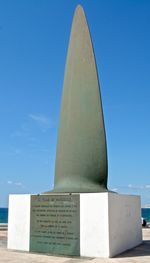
(110, 223)
(19, 222)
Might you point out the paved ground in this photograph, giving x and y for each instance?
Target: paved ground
(140, 254)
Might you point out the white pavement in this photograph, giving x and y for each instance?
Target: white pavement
(140, 254)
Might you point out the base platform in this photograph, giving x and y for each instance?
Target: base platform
(86, 224)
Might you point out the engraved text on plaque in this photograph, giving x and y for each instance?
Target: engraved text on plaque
(55, 226)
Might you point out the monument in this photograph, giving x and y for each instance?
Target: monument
(79, 216)
(81, 159)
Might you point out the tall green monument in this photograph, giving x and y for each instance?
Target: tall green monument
(81, 159)
(79, 217)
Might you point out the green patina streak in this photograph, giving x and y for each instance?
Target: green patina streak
(81, 159)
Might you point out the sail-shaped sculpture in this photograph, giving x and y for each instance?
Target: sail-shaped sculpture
(81, 158)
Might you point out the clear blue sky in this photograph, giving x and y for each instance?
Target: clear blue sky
(33, 45)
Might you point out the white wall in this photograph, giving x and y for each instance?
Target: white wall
(19, 222)
(94, 236)
(125, 230)
(110, 223)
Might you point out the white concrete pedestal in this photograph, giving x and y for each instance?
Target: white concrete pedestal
(109, 223)
(19, 222)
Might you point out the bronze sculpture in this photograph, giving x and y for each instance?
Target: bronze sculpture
(81, 158)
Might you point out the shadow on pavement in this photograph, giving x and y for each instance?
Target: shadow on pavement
(139, 251)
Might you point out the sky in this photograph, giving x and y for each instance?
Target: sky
(34, 37)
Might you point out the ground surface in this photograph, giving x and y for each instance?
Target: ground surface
(140, 254)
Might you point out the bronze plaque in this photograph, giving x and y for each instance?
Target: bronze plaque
(55, 224)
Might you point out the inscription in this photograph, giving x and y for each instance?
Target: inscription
(55, 224)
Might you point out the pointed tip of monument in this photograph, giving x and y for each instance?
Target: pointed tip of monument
(79, 13)
(79, 9)
(79, 6)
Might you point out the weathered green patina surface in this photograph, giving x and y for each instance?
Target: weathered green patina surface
(55, 224)
(81, 159)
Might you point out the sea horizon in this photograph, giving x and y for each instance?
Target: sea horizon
(145, 213)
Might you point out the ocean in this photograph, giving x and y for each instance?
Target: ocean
(4, 214)
(146, 214)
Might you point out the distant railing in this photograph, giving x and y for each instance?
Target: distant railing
(3, 226)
